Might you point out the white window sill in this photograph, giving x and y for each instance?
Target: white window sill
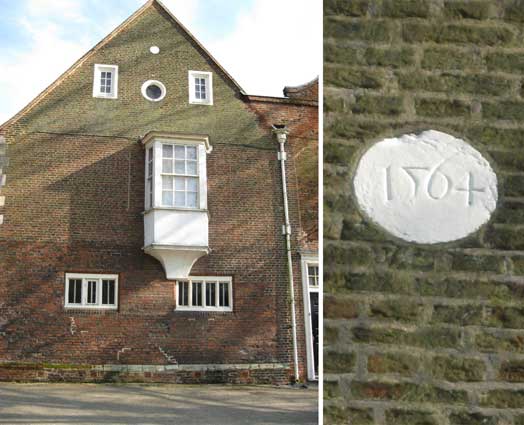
(205, 309)
(196, 102)
(88, 307)
(175, 209)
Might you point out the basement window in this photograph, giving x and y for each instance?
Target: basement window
(201, 87)
(205, 294)
(91, 291)
(105, 84)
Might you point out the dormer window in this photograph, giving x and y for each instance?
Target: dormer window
(105, 83)
(201, 87)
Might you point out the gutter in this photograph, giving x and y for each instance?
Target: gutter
(281, 133)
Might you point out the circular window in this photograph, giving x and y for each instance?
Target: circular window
(155, 50)
(153, 90)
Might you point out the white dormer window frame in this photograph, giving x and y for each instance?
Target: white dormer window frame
(105, 81)
(200, 87)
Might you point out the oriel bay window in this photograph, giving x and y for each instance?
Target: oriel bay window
(176, 220)
(205, 294)
(91, 291)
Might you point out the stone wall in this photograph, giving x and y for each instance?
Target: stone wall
(419, 334)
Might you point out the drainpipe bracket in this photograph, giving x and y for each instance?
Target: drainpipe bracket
(282, 156)
(286, 230)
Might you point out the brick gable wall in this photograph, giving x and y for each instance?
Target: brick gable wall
(74, 203)
(420, 334)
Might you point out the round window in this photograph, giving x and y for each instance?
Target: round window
(153, 90)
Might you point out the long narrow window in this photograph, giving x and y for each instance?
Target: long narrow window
(91, 291)
(180, 177)
(205, 294)
(150, 191)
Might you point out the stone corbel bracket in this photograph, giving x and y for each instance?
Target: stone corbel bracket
(4, 161)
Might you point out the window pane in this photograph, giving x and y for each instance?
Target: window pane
(91, 291)
(191, 152)
(180, 183)
(183, 293)
(75, 291)
(180, 152)
(167, 182)
(180, 199)
(192, 199)
(197, 294)
(167, 151)
(167, 165)
(180, 167)
(223, 299)
(167, 198)
(108, 292)
(192, 168)
(210, 294)
(192, 185)
(103, 74)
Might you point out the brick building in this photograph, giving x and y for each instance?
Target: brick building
(144, 224)
(420, 333)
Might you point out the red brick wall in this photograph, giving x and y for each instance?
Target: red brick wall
(74, 198)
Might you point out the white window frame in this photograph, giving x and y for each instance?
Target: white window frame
(204, 280)
(209, 81)
(157, 145)
(307, 261)
(174, 174)
(85, 277)
(156, 83)
(99, 68)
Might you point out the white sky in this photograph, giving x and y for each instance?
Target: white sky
(264, 44)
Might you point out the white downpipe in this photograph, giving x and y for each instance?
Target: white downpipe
(281, 134)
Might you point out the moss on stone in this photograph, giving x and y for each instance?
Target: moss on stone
(335, 362)
(455, 369)
(395, 310)
(504, 399)
(492, 342)
(348, 8)
(466, 418)
(505, 61)
(336, 307)
(452, 83)
(331, 389)
(475, 9)
(406, 392)
(492, 35)
(505, 138)
(338, 153)
(341, 54)
(410, 417)
(335, 415)
(440, 57)
(509, 110)
(353, 77)
(398, 363)
(458, 315)
(382, 105)
(406, 8)
(391, 57)
(365, 30)
(477, 263)
(441, 108)
(512, 371)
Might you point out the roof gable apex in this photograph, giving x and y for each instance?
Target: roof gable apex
(124, 25)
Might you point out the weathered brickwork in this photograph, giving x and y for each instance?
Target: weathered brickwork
(74, 203)
(420, 334)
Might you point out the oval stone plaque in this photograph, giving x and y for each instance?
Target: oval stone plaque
(426, 188)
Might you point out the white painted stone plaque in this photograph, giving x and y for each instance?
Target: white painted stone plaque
(426, 188)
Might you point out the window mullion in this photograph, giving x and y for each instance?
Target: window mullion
(190, 295)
